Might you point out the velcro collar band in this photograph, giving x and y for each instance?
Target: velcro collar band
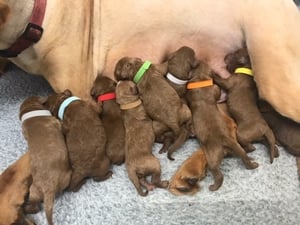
(244, 70)
(131, 105)
(35, 113)
(175, 80)
(200, 84)
(65, 104)
(106, 97)
(141, 71)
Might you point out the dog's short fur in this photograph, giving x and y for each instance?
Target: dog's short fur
(140, 162)
(50, 167)
(71, 56)
(186, 179)
(213, 128)
(85, 137)
(286, 131)
(160, 100)
(112, 120)
(15, 182)
(242, 99)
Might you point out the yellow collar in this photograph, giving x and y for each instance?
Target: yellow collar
(244, 70)
(200, 84)
(131, 105)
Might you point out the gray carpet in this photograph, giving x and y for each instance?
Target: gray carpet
(269, 194)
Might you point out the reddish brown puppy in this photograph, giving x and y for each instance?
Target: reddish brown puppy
(139, 139)
(103, 91)
(48, 153)
(85, 137)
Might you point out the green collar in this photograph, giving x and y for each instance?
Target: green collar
(141, 71)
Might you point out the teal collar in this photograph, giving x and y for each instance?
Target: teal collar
(65, 104)
(141, 71)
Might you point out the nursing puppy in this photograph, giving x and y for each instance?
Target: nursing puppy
(286, 131)
(15, 182)
(85, 137)
(139, 139)
(160, 100)
(242, 103)
(186, 179)
(213, 128)
(103, 91)
(48, 153)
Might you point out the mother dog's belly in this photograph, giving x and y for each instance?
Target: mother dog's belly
(154, 33)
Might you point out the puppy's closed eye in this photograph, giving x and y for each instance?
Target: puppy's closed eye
(183, 189)
(191, 181)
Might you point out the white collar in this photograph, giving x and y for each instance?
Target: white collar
(35, 113)
(175, 80)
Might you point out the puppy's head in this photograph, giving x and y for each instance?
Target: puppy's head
(127, 67)
(32, 103)
(239, 58)
(186, 179)
(14, 189)
(126, 92)
(181, 62)
(4, 12)
(101, 86)
(54, 101)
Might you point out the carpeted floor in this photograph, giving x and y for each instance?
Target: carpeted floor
(269, 194)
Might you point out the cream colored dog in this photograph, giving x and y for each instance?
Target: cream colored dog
(84, 38)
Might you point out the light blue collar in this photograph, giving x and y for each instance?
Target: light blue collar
(65, 104)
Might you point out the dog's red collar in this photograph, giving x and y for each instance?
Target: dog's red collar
(32, 33)
(106, 97)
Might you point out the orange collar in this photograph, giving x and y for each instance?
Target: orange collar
(200, 84)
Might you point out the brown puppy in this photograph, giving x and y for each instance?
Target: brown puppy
(103, 91)
(85, 137)
(160, 100)
(193, 169)
(286, 131)
(242, 103)
(213, 128)
(180, 64)
(14, 188)
(140, 162)
(48, 153)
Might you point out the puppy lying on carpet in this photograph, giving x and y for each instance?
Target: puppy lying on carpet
(213, 128)
(48, 153)
(242, 100)
(160, 100)
(139, 139)
(103, 91)
(186, 178)
(85, 137)
(14, 190)
(111, 32)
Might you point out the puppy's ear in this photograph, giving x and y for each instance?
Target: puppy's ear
(67, 93)
(43, 100)
(4, 12)
(93, 92)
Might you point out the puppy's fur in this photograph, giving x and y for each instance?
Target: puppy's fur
(160, 100)
(213, 128)
(50, 167)
(85, 138)
(140, 162)
(286, 131)
(186, 178)
(14, 189)
(112, 120)
(242, 104)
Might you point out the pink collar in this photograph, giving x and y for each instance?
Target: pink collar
(32, 33)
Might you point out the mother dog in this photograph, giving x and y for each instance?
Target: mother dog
(82, 38)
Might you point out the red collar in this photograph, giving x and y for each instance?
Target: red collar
(106, 97)
(32, 33)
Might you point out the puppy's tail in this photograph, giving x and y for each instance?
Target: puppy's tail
(182, 137)
(48, 204)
